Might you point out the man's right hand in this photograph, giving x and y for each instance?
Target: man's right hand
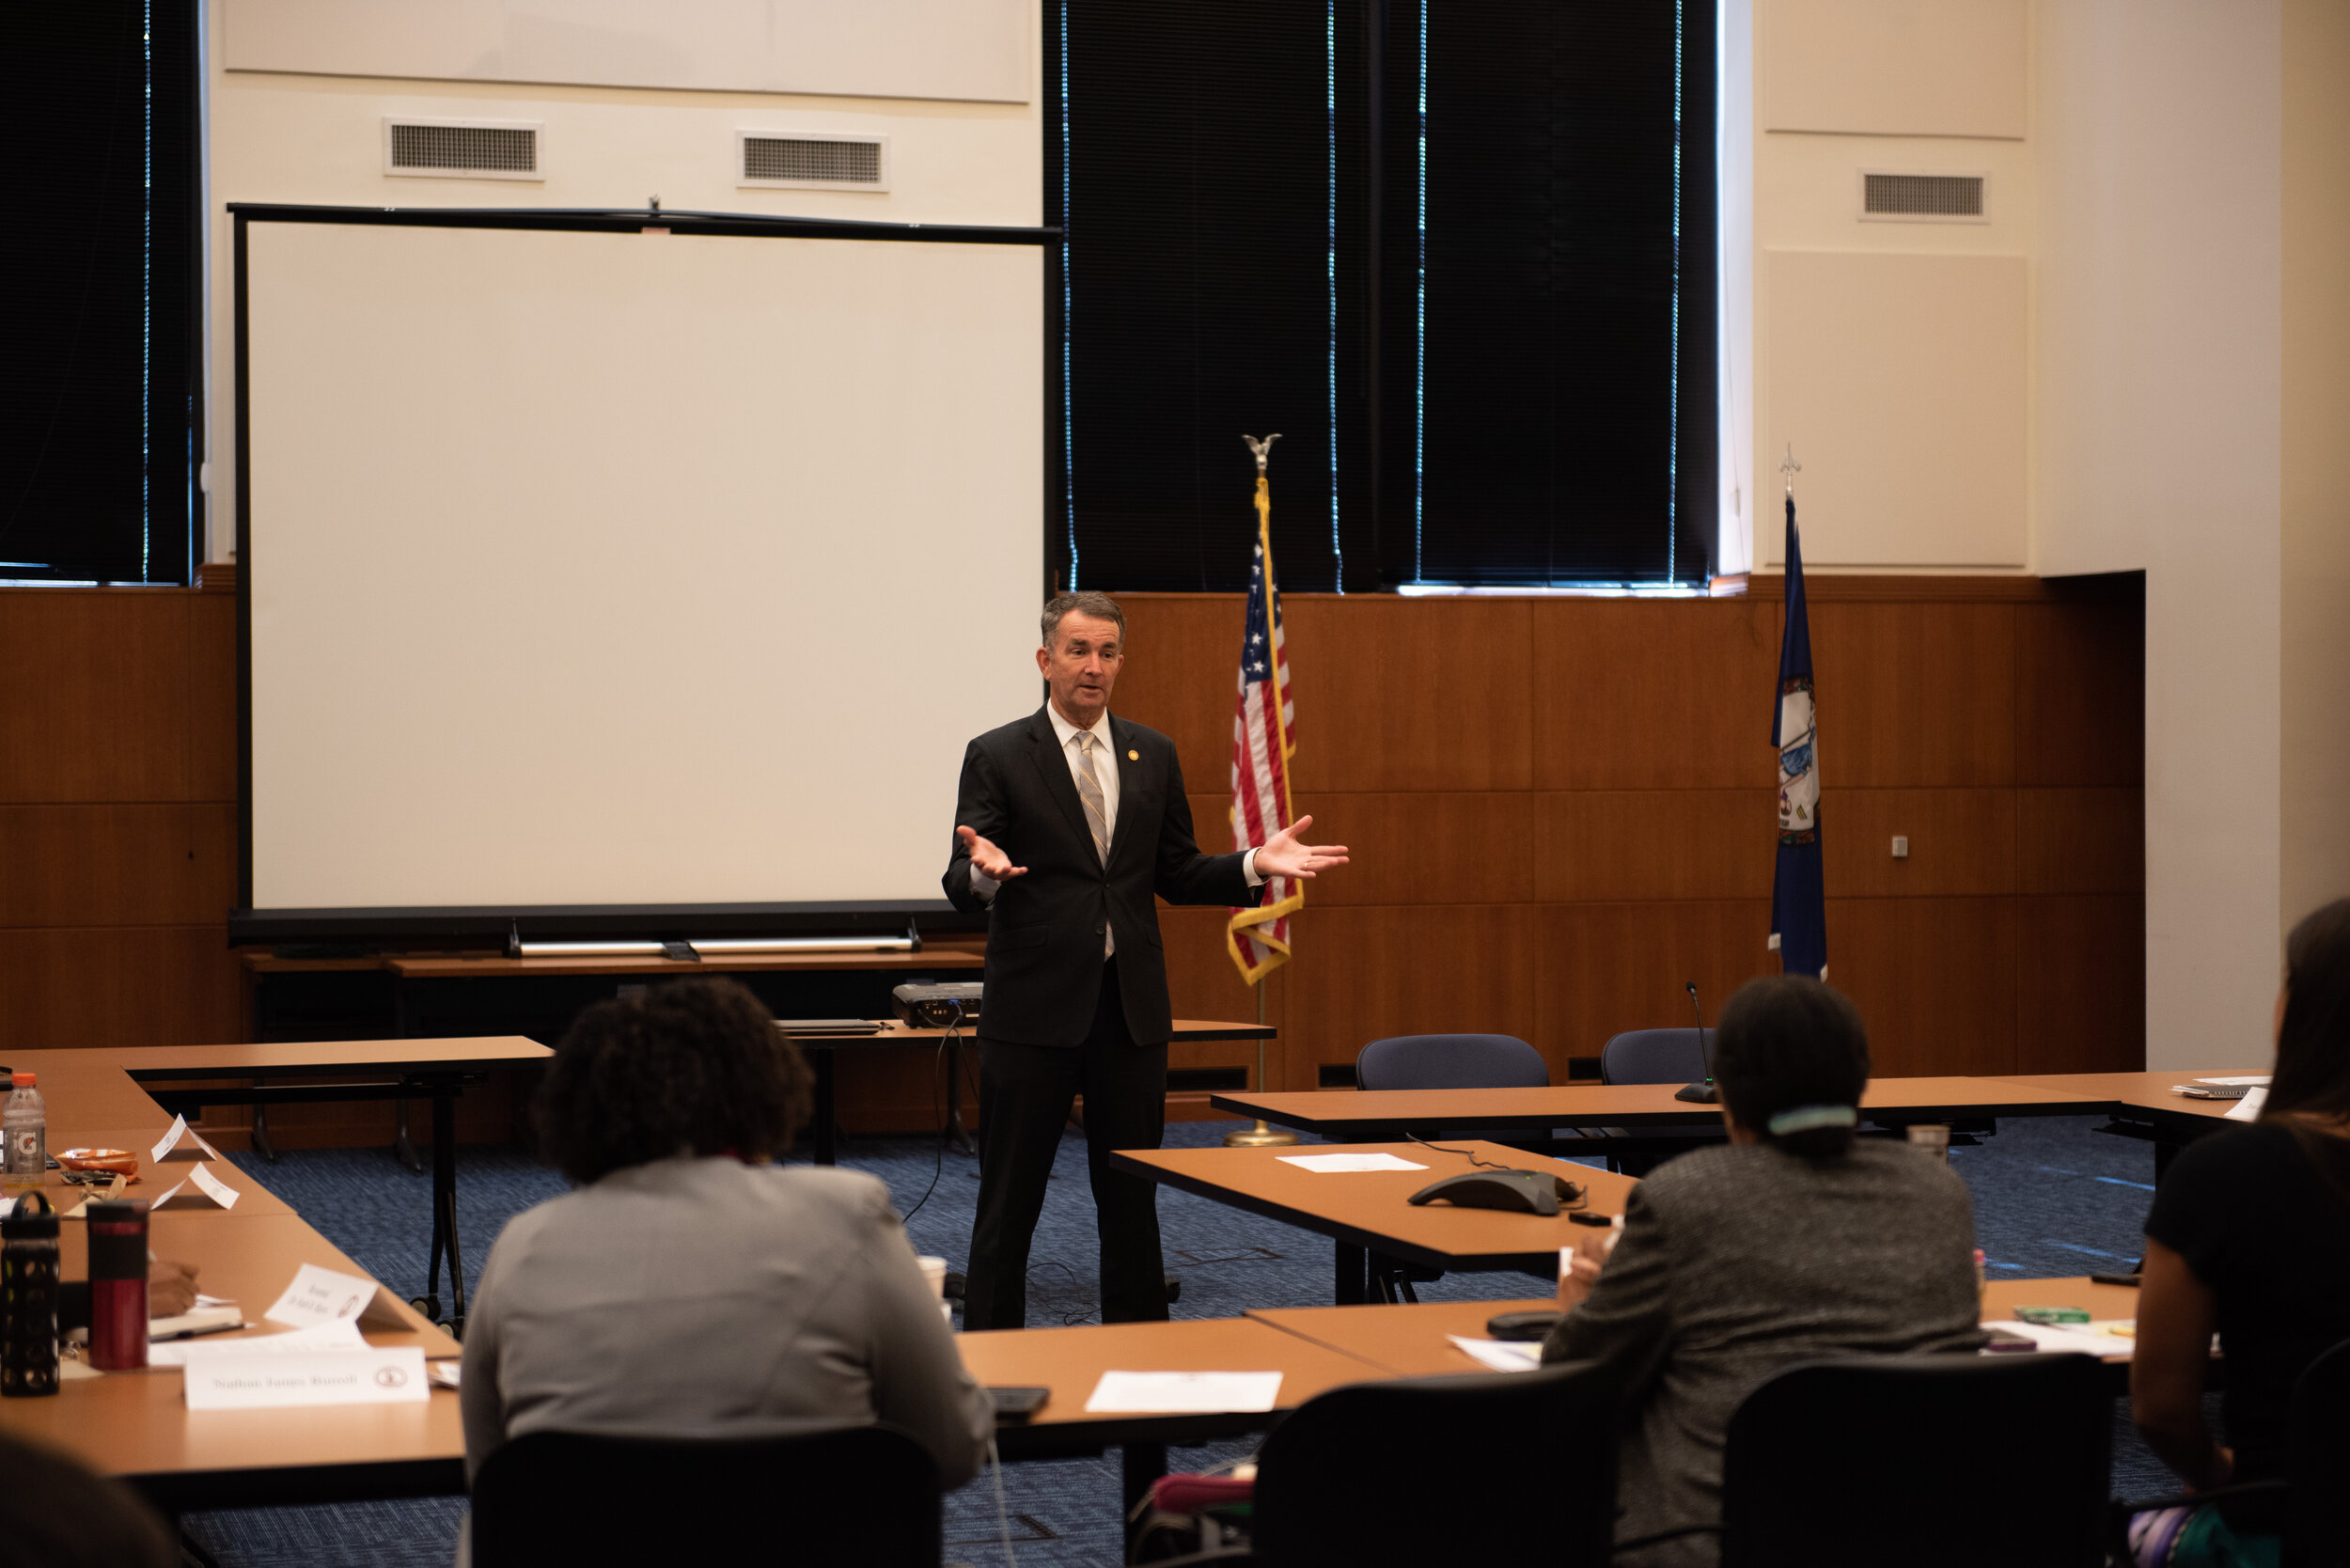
(993, 863)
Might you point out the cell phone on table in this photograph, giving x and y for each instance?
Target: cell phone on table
(1018, 1405)
(2008, 1342)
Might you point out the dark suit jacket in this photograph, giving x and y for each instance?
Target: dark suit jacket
(1045, 929)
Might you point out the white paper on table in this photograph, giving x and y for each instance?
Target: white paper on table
(341, 1335)
(1502, 1355)
(169, 1141)
(2102, 1337)
(154, 1202)
(1188, 1393)
(199, 1319)
(321, 1295)
(214, 1188)
(203, 1300)
(244, 1376)
(1336, 1165)
(443, 1373)
(2261, 1078)
(2248, 1108)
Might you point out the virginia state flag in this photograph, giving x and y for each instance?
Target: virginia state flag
(1798, 897)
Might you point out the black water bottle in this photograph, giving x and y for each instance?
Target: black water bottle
(28, 1298)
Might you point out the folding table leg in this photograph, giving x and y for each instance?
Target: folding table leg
(1139, 1464)
(1353, 1281)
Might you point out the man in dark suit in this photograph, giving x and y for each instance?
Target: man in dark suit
(1068, 822)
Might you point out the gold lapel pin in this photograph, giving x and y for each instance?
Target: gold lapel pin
(1133, 756)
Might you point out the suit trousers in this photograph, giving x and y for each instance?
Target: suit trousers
(1025, 1096)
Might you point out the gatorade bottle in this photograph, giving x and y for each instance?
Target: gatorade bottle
(25, 1127)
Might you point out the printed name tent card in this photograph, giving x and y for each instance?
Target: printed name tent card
(170, 1140)
(243, 1376)
(319, 1296)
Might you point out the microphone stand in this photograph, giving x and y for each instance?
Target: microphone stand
(1699, 1094)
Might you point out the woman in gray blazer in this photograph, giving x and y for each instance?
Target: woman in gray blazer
(1794, 1240)
(687, 1287)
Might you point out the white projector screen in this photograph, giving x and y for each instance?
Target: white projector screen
(608, 569)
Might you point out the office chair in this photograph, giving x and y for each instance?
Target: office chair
(1929, 1461)
(867, 1495)
(2316, 1526)
(1485, 1468)
(1446, 1061)
(1655, 1057)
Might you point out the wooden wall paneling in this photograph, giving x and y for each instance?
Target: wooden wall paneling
(2086, 840)
(1935, 978)
(2080, 688)
(2080, 995)
(93, 690)
(116, 865)
(902, 1090)
(1399, 970)
(1962, 842)
(1632, 693)
(1916, 694)
(1430, 846)
(1617, 845)
(117, 985)
(211, 700)
(1409, 694)
(1604, 968)
(1182, 664)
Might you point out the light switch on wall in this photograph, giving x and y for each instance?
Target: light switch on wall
(1900, 846)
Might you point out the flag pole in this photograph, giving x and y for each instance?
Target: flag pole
(1262, 1135)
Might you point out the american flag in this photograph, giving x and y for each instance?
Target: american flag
(1264, 738)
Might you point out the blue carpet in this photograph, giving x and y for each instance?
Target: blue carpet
(2051, 1198)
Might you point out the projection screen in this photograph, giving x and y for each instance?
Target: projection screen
(629, 569)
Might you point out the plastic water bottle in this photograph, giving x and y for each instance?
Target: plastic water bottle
(24, 1126)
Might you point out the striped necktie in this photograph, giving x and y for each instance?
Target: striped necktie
(1089, 791)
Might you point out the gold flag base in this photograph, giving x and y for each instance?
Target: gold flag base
(1259, 1136)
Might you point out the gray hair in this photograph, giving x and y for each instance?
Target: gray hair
(1100, 607)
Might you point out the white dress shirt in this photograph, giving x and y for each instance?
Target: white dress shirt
(1105, 775)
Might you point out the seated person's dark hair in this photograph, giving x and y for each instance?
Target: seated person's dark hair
(693, 1067)
(1787, 1043)
(55, 1514)
(2309, 1091)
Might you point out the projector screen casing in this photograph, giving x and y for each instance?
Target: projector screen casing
(610, 582)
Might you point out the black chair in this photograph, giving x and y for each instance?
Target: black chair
(1446, 1061)
(1486, 1467)
(1927, 1461)
(2316, 1526)
(867, 1495)
(1655, 1057)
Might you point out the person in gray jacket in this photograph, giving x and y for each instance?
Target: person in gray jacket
(1792, 1241)
(688, 1287)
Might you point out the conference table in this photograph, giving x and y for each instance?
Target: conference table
(1368, 1214)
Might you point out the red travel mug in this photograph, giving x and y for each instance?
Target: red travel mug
(117, 1284)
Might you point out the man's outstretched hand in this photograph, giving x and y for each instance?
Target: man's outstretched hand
(1283, 855)
(994, 864)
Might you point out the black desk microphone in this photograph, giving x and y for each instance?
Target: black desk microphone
(1699, 1094)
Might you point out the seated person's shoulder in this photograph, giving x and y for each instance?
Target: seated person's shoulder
(849, 1196)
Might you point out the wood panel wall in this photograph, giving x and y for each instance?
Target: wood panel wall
(1560, 809)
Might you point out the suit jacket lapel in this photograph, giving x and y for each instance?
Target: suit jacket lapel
(1052, 765)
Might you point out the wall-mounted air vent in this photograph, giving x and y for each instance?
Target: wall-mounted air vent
(1891, 198)
(812, 159)
(464, 148)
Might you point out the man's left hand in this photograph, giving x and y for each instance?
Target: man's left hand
(1283, 855)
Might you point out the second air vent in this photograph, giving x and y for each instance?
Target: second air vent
(812, 159)
(1922, 198)
(464, 149)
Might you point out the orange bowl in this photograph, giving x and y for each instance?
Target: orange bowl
(117, 1162)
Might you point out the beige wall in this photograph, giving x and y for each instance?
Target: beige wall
(2316, 510)
(287, 137)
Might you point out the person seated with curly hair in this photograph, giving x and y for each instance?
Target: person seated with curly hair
(688, 1286)
(1794, 1240)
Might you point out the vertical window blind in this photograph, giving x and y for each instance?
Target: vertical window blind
(100, 405)
(1461, 256)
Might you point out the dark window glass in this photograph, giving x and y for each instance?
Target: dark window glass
(1462, 258)
(100, 405)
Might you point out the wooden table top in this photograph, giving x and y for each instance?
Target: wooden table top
(465, 966)
(1405, 1340)
(1371, 1208)
(303, 1057)
(2153, 1091)
(895, 1031)
(1070, 1361)
(1632, 1105)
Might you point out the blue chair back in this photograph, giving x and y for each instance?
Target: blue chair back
(1451, 1061)
(1653, 1056)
